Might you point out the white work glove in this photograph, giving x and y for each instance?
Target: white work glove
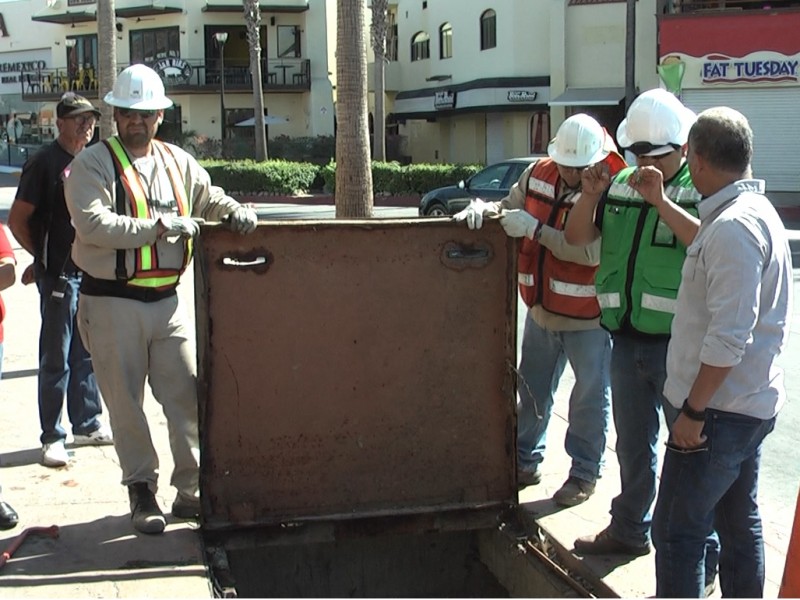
(474, 212)
(179, 227)
(518, 223)
(242, 220)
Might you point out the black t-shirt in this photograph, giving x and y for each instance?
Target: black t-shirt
(42, 185)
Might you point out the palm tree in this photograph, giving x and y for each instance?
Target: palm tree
(106, 61)
(353, 169)
(380, 13)
(252, 17)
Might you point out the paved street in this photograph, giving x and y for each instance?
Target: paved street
(97, 545)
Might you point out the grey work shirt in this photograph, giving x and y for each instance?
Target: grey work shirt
(734, 303)
(90, 194)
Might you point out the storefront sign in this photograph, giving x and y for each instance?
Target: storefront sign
(521, 96)
(444, 99)
(175, 71)
(736, 70)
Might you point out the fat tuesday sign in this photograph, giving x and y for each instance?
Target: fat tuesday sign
(718, 68)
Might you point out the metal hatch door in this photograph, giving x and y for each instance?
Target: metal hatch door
(355, 368)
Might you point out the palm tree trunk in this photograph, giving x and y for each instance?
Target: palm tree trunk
(106, 62)
(380, 12)
(353, 170)
(252, 17)
(630, 53)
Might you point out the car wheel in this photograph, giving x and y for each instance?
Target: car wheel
(437, 210)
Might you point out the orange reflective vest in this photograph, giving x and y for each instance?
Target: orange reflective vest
(147, 272)
(790, 585)
(560, 287)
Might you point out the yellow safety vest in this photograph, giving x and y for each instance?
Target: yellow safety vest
(147, 273)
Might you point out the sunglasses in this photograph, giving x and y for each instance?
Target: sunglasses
(643, 148)
(81, 120)
(130, 112)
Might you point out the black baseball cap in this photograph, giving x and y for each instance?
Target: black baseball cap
(72, 104)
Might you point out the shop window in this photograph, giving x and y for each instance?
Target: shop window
(288, 41)
(171, 129)
(420, 46)
(446, 41)
(82, 62)
(540, 132)
(150, 45)
(488, 29)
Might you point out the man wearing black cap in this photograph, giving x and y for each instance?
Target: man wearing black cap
(41, 224)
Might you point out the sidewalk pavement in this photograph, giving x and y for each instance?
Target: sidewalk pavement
(98, 554)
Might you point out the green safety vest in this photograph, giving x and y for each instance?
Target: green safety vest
(147, 272)
(640, 257)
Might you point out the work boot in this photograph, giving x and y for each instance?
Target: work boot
(145, 513)
(603, 543)
(186, 507)
(526, 478)
(574, 491)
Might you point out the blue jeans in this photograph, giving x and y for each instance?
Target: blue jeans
(544, 356)
(65, 367)
(638, 372)
(714, 487)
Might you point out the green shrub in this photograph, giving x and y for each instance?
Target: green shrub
(273, 176)
(394, 178)
(318, 150)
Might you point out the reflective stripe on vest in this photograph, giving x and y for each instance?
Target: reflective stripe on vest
(572, 289)
(610, 300)
(146, 270)
(659, 303)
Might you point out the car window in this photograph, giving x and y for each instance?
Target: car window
(491, 178)
(514, 171)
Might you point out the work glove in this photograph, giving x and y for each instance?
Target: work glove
(518, 223)
(474, 212)
(179, 227)
(242, 220)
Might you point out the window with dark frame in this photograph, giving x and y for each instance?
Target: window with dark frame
(446, 41)
(288, 41)
(420, 46)
(150, 45)
(488, 29)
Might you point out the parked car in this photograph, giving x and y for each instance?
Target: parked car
(492, 183)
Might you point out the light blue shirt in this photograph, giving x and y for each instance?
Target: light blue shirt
(734, 303)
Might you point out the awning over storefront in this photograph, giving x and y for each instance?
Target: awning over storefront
(64, 18)
(589, 97)
(144, 8)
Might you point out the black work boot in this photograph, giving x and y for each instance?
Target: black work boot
(145, 513)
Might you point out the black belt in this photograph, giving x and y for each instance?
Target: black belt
(92, 286)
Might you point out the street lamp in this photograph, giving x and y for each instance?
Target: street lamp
(221, 37)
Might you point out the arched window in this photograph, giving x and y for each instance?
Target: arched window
(488, 29)
(446, 41)
(420, 46)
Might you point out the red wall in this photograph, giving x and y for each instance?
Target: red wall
(735, 35)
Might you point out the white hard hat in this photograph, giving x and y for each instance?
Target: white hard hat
(579, 142)
(140, 88)
(656, 120)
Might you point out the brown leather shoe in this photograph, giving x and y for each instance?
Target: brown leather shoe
(603, 543)
(526, 478)
(574, 491)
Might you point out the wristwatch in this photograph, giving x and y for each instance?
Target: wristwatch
(694, 415)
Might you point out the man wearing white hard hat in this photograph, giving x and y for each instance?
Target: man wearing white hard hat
(133, 201)
(556, 282)
(647, 215)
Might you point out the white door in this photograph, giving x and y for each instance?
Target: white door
(774, 116)
(495, 142)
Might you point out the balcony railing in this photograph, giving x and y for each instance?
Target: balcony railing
(202, 76)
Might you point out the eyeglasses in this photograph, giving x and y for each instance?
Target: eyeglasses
(130, 113)
(81, 120)
(644, 148)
